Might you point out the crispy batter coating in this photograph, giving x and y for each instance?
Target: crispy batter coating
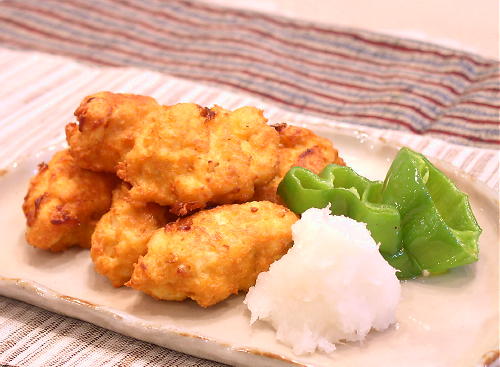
(188, 156)
(298, 147)
(108, 125)
(214, 253)
(64, 203)
(122, 234)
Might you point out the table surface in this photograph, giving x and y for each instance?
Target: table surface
(469, 25)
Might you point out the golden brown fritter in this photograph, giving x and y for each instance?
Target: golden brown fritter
(64, 203)
(214, 253)
(187, 156)
(108, 125)
(122, 234)
(299, 147)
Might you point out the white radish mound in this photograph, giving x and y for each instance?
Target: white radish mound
(332, 285)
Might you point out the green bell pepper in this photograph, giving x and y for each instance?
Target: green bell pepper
(349, 194)
(408, 214)
(439, 230)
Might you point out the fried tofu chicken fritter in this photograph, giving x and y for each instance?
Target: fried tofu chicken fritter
(122, 234)
(214, 253)
(64, 203)
(108, 125)
(173, 160)
(187, 157)
(299, 147)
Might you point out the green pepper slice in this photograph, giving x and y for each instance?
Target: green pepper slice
(439, 230)
(349, 194)
(423, 223)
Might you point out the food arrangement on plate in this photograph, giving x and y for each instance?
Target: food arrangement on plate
(189, 202)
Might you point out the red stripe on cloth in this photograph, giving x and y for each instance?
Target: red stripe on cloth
(492, 76)
(482, 104)
(487, 89)
(472, 121)
(356, 36)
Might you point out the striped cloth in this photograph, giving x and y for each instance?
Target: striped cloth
(352, 76)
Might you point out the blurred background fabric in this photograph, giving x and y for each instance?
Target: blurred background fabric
(348, 75)
(443, 102)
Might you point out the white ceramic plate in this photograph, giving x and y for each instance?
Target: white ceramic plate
(448, 320)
